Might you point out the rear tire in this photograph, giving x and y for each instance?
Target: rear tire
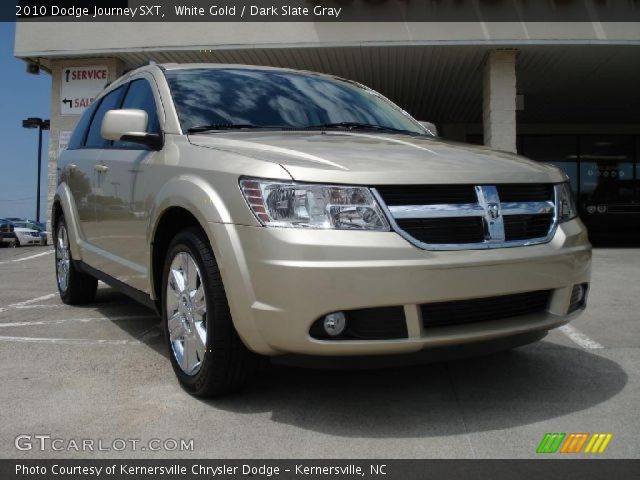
(207, 355)
(75, 287)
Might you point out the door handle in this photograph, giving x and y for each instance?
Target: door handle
(101, 168)
(72, 166)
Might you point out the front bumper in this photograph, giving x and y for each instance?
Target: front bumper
(29, 240)
(7, 237)
(280, 281)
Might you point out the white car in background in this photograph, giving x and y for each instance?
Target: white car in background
(28, 233)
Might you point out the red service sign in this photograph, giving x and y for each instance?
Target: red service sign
(79, 86)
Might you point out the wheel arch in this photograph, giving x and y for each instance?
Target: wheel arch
(186, 200)
(63, 205)
(171, 221)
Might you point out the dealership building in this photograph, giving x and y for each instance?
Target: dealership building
(565, 93)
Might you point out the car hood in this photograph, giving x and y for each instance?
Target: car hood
(364, 158)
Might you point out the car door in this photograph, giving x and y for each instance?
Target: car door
(85, 177)
(122, 213)
(75, 169)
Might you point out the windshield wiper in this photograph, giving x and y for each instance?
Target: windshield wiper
(322, 126)
(358, 126)
(222, 126)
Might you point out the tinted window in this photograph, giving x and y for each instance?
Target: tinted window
(606, 163)
(615, 191)
(140, 96)
(77, 137)
(278, 99)
(559, 150)
(109, 102)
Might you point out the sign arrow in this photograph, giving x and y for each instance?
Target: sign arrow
(66, 72)
(65, 100)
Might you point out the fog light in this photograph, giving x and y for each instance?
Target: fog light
(591, 209)
(602, 209)
(334, 323)
(578, 297)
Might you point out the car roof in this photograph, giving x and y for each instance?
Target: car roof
(220, 66)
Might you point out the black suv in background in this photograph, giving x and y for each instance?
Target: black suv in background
(7, 235)
(612, 210)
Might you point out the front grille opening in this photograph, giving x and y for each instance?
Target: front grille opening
(383, 323)
(444, 230)
(394, 195)
(523, 227)
(484, 309)
(526, 192)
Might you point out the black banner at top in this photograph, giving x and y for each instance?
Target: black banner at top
(322, 10)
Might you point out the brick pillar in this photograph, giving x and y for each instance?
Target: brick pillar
(499, 100)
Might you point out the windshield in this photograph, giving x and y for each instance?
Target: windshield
(249, 98)
(30, 225)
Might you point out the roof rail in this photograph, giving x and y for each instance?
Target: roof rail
(144, 64)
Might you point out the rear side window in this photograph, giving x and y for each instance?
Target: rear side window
(77, 137)
(110, 102)
(140, 96)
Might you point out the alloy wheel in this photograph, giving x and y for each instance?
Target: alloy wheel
(63, 258)
(186, 313)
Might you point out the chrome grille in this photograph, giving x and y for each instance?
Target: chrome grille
(460, 217)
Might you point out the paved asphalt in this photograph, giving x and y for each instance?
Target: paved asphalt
(101, 372)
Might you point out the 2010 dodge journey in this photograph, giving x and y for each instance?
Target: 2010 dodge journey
(265, 211)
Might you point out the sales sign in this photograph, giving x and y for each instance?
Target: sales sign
(80, 86)
(63, 140)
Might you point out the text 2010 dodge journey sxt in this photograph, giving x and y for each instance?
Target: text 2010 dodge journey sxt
(267, 211)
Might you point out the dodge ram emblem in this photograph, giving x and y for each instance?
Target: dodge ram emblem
(493, 209)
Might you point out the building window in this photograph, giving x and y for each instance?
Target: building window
(606, 163)
(559, 150)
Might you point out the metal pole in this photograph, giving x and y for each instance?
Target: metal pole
(39, 172)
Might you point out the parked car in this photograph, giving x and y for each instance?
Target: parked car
(288, 212)
(7, 235)
(612, 210)
(28, 233)
(42, 228)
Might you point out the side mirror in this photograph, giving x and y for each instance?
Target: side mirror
(431, 128)
(129, 125)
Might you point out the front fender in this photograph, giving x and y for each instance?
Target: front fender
(199, 198)
(193, 194)
(64, 198)
(196, 196)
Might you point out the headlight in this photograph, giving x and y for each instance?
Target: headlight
(281, 204)
(566, 205)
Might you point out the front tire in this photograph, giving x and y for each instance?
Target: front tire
(75, 287)
(207, 355)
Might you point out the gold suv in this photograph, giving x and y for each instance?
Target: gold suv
(265, 211)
